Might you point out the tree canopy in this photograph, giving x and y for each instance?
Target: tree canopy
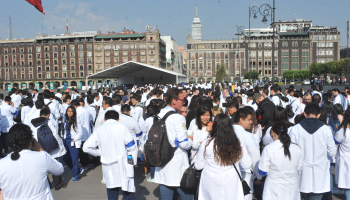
(297, 74)
(221, 73)
(255, 75)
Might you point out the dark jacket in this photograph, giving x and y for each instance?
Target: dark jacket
(265, 111)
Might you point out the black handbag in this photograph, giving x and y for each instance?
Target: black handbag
(245, 186)
(190, 178)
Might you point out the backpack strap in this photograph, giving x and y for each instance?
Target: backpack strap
(168, 114)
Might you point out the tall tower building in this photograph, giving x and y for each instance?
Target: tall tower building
(196, 27)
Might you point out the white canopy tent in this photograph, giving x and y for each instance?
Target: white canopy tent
(139, 73)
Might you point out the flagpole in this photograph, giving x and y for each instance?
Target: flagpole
(42, 25)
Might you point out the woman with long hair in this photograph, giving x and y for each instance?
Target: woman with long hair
(24, 171)
(192, 109)
(26, 109)
(216, 156)
(255, 127)
(281, 115)
(281, 161)
(342, 138)
(72, 142)
(338, 109)
(199, 128)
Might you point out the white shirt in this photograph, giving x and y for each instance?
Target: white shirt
(115, 169)
(16, 99)
(76, 134)
(282, 180)
(137, 113)
(149, 100)
(7, 113)
(254, 106)
(83, 118)
(199, 135)
(53, 110)
(26, 178)
(342, 159)
(276, 100)
(101, 116)
(59, 95)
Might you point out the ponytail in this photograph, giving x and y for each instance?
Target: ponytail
(281, 130)
(19, 138)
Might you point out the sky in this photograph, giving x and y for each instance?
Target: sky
(174, 18)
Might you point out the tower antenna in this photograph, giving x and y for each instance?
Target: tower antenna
(10, 29)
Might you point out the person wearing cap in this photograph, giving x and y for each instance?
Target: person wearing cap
(265, 111)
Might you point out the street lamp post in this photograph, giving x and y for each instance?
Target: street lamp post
(240, 31)
(267, 10)
(252, 10)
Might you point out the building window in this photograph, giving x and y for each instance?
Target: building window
(89, 54)
(107, 47)
(30, 76)
(142, 46)
(80, 54)
(116, 60)
(47, 62)
(80, 48)
(47, 68)
(71, 67)
(89, 67)
(71, 48)
(125, 46)
(64, 68)
(22, 76)
(39, 62)
(81, 74)
(295, 44)
(72, 54)
(116, 53)
(55, 62)
(284, 44)
(55, 49)
(81, 67)
(81, 61)
(48, 75)
(73, 74)
(63, 48)
(56, 68)
(125, 59)
(89, 60)
(64, 75)
(56, 75)
(71, 61)
(125, 53)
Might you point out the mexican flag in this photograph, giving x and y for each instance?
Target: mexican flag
(67, 25)
(37, 5)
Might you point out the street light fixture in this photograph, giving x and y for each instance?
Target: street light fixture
(240, 31)
(252, 10)
(267, 10)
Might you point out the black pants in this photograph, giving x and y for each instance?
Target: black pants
(57, 180)
(4, 142)
(84, 157)
(61, 129)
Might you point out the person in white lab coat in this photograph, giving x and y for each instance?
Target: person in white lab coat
(199, 128)
(342, 138)
(316, 141)
(169, 176)
(275, 98)
(57, 153)
(339, 98)
(137, 112)
(16, 99)
(216, 156)
(98, 99)
(53, 108)
(23, 172)
(255, 127)
(92, 108)
(7, 112)
(65, 105)
(118, 102)
(243, 122)
(133, 126)
(117, 172)
(280, 115)
(26, 109)
(107, 104)
(281, 161)
(72, 142)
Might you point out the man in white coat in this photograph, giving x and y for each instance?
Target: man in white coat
(7, 112)
(243, 122)
(53, 109)
(169, 176)
(133, 126)
(107, 104)
(83, 118)
(56, 154)
(316, 141)
(117, 173)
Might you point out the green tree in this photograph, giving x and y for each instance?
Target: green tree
(255, 75)
(221, 73)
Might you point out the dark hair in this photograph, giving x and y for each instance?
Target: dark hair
(201, 111)
(117, 99)
(29, 102)
(194, 102)
(109, 101)
(329, 110)
(111, 114)
(298, 119)
(281, 114)
(335, 90)
(66, 98)
(73, 119)
(281, 130)
(19, 137)
(241, 113)
(233, 103)
(8, 98)
(338, 109)
(324, 116)
(39, 104)
(184, 105)
(316, 98)
(137, 97)
(45, 111)
(75, 102)
(227, 147)
(125, 108)
(90, 99)
(312, 108)
(172, 93)
(206, 101)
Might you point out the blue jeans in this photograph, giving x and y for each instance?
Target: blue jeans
(331, 173)
(153, 171)
(113, 193)
(167, 193)
(71, 158)
(347, 194)
(311, 196)
(4, 141)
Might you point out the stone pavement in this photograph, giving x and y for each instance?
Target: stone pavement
(90, 187)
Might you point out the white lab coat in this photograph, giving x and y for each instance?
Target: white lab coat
(315, 171)
(342, 166)
(145, 129)
(198, 136)
(282, 181)
(267, 139)
(7, 113)
(101, 116)
(92, 110)
(134, 129)
(58, 152)
(171, 173)
(254, 106)
(26, 177)
(53, 109)
(83, 118)
(117, 108)
(248, 141)
(116, 171)
(216, 181)
(24, 113)
(276, 100)
(257, 132)
(137, 113)
(16, 99)
(76, 134)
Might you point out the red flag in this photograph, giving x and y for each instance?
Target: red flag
(37, 5)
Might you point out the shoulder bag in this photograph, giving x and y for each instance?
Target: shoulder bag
(245, 186)
(190, 178)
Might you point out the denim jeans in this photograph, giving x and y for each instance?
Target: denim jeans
(167, 193)
(4, 142)
(71, 158)
(113, 193)
(347, 194)
(331, 173)
(153, 171)
(311, 196)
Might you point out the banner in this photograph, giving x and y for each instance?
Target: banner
(37, 86)
(65, 85)
(9, 87)
(24, 86)
(51, 86)
(80, 84)
(233, 88)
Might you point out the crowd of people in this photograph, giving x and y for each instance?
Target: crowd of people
(280, 144)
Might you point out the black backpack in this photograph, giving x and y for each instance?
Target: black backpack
(158, 150)
(97, 109)
(17, 118)
(46, 138)
(289, 109)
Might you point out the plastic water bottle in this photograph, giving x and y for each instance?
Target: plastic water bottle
(130, 160)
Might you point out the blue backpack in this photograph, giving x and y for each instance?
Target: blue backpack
(46, 139)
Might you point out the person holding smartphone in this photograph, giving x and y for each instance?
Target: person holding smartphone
(199, 131)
